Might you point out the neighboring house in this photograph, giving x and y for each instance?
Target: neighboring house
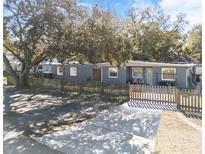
(71, 71)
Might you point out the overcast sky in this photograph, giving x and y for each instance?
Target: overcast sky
(192, 8)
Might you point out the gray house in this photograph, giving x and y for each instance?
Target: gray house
(151, 73)
(138, 72)
(71, 72)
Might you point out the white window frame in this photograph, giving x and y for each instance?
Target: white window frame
(138, 77)
(110, 70)
(73, 67)
(168, 79)
(58, 72)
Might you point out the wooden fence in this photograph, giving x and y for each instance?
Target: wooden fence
(190, 100)
(156, 94)
(186, 99)
(87, 86)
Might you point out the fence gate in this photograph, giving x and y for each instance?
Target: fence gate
(156, 94)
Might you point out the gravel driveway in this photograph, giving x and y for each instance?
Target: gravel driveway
(118, 130)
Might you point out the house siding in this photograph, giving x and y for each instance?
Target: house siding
(189, 74)
(84, 72)
(180, 76)
(129, 73)
(121, 75)
(145, 75)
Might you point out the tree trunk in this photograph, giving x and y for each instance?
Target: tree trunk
(9, 69)
(21, 81)
(21, 78)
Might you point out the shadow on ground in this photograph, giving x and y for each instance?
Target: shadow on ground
(192, 114)
(117, 130)
(38, 112)
(16, 142)
(164, 107)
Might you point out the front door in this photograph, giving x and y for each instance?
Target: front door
(149, 77)
(97, 74)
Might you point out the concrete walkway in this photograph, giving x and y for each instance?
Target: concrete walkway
(119, 130)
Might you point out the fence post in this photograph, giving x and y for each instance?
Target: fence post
(122, 92)
(130, 90)
(62, 85)
(177, 97)
(81, 87)
(102, 88)
(75, 85)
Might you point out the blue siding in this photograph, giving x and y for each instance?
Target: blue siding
(181, 77)
(121, 75)
(84, 72)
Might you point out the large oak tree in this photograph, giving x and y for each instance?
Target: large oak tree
(31, 29)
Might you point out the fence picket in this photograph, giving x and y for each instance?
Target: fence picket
(185, 98)
(199, 106)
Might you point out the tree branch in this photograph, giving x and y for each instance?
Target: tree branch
(15, 54)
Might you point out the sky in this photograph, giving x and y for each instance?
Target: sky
(192, 8)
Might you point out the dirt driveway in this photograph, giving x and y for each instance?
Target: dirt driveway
(178, 134)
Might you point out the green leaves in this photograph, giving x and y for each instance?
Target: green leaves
(154, 36)
(40, 29)
(193, 45)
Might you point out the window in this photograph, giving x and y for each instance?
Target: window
(137, 72)
(60, 70)
(73, 71)
(47, 68)
(113, 72)
(168, 74)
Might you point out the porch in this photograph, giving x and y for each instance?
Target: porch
(151, 76)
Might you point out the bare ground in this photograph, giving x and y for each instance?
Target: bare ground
(175, 136)
(196, 121)
(39, 112)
